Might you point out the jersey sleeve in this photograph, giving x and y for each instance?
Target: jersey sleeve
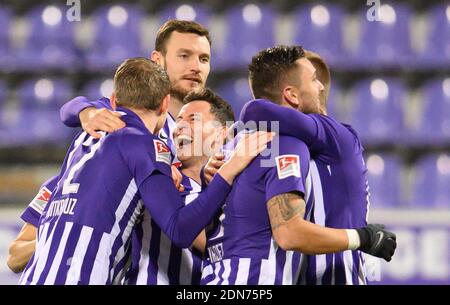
(289, 169)
(320, 133)
(69, 111)
(35, 208)
(146, 155)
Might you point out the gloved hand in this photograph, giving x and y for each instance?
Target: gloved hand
(377, 241)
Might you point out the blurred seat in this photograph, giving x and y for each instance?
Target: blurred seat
(25, 127)
(117, 36)
(437, 47)
(50, 44)
(431, 182)
(319, 28)
(386, 43)
(434, 122)
(236, 92)
(191, 12)
(44, 94)
(96, 89)
(2, 94)
(376, 110)
(6, 59)
(335, 103)
(385, 178)
(249, 29)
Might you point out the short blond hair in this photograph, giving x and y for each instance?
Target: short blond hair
(140, 83)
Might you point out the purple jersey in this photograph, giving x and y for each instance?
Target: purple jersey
(339, 180)
(241, 249)
(155, 259)
(70, 116)
(85, 230)
(35, 208)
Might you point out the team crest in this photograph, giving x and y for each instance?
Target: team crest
(162, 152)
(41, 199)
(288, 165)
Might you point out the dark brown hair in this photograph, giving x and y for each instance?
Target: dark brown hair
(270, 67)
(220, 108)
(181, 26)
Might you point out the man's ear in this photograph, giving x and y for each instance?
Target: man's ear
(291, 96)
(157, 58)
(164, 104)
(113, 100)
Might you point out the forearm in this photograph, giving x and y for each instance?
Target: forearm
(291, 122)
(70, 111)
(20, 253)
(311, 238)
(182, 224)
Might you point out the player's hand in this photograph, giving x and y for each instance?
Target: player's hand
(93, 119)
(245, 151)
(177, 178)
(212, 166)
(377, 241)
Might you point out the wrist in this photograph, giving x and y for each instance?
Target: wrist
(354, 240)
(84, 113)
(226, 171)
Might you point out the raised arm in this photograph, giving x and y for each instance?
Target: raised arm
(91, 115)
(292, 122)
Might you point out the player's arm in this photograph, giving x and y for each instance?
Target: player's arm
(200, 242)
(22, 248)
(91, 115)
(291, 122)
(182, 224)
(292, 232)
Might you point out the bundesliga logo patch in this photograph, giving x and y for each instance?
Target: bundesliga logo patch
(41, 199)
(162, 152)
(288, 165)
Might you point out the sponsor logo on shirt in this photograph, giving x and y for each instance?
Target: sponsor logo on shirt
(41, 199)
(287, 166)
(162, 152)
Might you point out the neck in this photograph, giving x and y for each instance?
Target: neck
(175, 106)
(192, 169)
(149, 118)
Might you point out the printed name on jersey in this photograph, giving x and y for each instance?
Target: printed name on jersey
(287, 166)
(215, 253)
(41, 199)
(162, 152)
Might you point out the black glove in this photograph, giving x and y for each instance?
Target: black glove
(377, 241)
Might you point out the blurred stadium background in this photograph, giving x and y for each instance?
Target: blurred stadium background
(391, 81)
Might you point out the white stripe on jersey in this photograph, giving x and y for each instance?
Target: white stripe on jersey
(243, 271)
(144, 260)
(163, 260)
(287, 272)
(119, 214)
(42, 234)
(74, 273)
(43, 252)
(226, 272)
(269, 266)
(319, 217)
(58, 256)
(186, 262)
(348, 262)
(99, 274)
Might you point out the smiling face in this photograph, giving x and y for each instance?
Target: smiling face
(187, 62)
(198, 134)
